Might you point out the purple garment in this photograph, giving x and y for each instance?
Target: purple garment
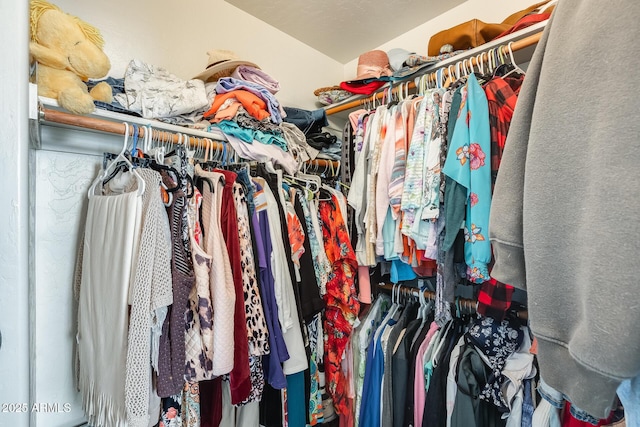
(228, 84)
(257, 76)
(273, 361)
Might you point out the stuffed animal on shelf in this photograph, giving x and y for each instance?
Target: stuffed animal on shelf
(68, 52)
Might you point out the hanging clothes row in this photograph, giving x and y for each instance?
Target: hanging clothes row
(413, 371)
(421, 189)
(422, 181)
(211, 295)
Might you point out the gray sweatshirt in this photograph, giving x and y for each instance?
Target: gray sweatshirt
(565, 217)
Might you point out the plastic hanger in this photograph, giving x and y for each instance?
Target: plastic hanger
(153, 163)
(120, 158)
(496, 59)
(490, 66)
(421, 300)
(208, 143)
(480, 63)
(268, 165)
(198, 149)
(148, 137)
(516, 68)
(134, 148)
(420, 84)
(233, 155)
(441, 343)
(396, 304)
(501, 55)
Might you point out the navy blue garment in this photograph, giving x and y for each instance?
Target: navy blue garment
(117, 87)
(307, 121)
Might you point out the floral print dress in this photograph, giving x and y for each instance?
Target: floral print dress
(342, 306)
(467, 164)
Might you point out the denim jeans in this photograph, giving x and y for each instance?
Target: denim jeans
(117, 86)
(527, 404)
(629, 394)
(557, 399)
(307, 121)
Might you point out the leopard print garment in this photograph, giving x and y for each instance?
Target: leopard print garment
(256, 372)
(256, 323)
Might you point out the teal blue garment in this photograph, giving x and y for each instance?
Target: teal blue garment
(401, 271)
(270, 139)
(428, 373)
(232, 128)
(249, 135)
(296, 405)
(469, 164)
(420, 230)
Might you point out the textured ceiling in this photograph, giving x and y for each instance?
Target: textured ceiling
(343, 29)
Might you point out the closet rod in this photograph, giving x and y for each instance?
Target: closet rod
(523, 314)
(54, 116)
(118, 128)
(515, 46)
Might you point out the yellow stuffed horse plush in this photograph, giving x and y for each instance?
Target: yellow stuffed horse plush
(68, 52)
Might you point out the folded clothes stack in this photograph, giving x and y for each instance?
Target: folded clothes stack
(312, 124)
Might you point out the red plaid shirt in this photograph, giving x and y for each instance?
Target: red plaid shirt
(494, 298)
(502, 94)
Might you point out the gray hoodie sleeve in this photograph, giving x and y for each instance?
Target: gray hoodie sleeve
(564, 220)
(505, 222)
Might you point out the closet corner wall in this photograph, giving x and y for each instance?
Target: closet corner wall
(14, 216)
(59, 181)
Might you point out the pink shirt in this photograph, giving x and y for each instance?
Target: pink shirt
(364, 284)
(419, 393)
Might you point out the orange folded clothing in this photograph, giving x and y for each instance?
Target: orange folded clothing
(255, 106)
(227, 111)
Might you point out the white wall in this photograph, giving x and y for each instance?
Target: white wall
(177, 35)
(14, 215)
(59, 205)
(417, 39)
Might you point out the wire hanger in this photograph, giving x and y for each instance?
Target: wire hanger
(120, 158)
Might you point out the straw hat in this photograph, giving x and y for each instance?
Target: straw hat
(372, 65)
(221, 64)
